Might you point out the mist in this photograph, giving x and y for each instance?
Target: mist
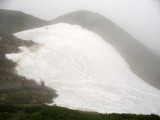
(140, 18)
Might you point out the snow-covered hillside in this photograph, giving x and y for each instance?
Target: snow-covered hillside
(87, 72)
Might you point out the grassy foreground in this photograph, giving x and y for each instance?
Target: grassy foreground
(44, 112)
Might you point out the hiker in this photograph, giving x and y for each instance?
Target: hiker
(42, 83)
(23, 81)
(27, 82)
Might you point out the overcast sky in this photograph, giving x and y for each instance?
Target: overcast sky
(141, 18)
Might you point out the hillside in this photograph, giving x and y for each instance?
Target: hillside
(14, 21)
(143, 61)
(43, 112)
(11, 22)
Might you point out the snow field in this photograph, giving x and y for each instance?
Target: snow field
(87, 73)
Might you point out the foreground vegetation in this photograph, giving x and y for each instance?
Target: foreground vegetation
(44, 112)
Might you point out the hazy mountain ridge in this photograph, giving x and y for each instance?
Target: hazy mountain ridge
(143, 61)
(14, 21)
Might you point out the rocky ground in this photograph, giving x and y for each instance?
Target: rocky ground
(26, 94)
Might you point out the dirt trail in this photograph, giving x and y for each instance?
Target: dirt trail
(10, 86)
(20, 86)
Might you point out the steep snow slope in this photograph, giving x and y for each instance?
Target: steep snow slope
(87, 72)
(142, 61)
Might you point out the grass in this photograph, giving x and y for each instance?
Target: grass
(44, 112)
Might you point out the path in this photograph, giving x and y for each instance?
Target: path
(19, 86)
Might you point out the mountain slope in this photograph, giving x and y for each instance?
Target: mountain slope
(14, 21)
(99, 75)
(143, 61)
(11, 22)
(85, 69)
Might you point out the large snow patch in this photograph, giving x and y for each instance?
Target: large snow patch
(87, 72)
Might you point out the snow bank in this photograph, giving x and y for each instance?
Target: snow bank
(87, 72)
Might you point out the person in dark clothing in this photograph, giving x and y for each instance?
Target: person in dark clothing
(23, 81)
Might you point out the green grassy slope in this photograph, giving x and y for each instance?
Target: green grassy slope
(143, 61)
(43, 112)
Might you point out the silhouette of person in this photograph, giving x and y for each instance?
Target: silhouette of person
(23, 81)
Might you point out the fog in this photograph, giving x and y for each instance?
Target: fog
(138, 17)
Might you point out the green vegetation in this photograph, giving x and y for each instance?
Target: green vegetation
(44, 112)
